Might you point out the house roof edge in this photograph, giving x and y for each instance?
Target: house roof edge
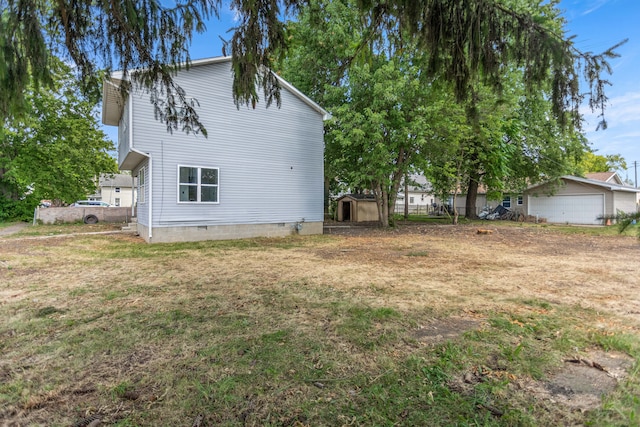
(113, 105)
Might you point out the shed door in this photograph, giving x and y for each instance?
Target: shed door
(578, 209)
(346, 211)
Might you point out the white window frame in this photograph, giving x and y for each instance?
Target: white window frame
(199, 185)
(520, 200)
(117, 189)
(503, 200)
(142, 184)
(117, 201)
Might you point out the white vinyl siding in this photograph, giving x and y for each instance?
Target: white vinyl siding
(123, 135)
(272, 158)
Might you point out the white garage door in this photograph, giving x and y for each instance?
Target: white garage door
(579, 209)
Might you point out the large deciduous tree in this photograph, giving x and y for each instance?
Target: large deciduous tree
(388, 124)
(54, 150)
(592, 162)
(390, 117)
(513, 142)
(465, 39)
(387, 113)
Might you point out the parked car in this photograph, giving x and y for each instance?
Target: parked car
(91, 203)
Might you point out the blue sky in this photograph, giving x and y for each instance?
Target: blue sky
(596, 25)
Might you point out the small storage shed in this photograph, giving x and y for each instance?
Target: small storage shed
(357, 208)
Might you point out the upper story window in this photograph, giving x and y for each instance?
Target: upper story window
(197, 184)
(117, 189)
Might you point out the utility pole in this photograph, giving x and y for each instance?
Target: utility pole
(635, 168)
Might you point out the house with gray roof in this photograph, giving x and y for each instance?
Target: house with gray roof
(116, 189)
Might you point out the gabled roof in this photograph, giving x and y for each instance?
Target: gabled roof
(595, 182)
(418, 183)
(605, 177)
(363, 197)
(115, 180)
(113, 104)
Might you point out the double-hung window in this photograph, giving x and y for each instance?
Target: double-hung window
(197, 184)
(506, 202)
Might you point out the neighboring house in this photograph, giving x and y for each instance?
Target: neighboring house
(115, 189)
(357, 208)
(419, 196)
(258, 173)
(422, 199)
(513, 202)
(579, 200)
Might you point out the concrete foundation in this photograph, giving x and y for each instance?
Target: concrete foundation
(77, 214)
(227, 232)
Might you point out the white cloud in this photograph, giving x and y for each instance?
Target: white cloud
(595, 5)
(624, 109)
(620, 110)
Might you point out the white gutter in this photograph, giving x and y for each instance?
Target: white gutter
(150, 198)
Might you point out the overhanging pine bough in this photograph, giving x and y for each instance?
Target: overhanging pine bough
(466, 39)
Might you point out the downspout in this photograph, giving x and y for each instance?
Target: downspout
(150, 197)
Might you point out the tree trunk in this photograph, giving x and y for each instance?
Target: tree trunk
(385, 208)
(381, 203)
(472, 196)
(406, 198)
(454, 207)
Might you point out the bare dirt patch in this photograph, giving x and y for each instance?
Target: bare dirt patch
(582, 381)
(436, 331)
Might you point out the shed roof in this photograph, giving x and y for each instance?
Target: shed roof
(360, 197)
(113, 103)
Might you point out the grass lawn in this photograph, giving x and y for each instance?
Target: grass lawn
(424, 324)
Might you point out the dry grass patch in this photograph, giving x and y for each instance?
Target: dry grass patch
(371, 328)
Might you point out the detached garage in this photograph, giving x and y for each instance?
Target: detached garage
(579, 200)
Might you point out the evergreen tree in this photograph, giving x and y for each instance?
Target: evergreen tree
(465, 39)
